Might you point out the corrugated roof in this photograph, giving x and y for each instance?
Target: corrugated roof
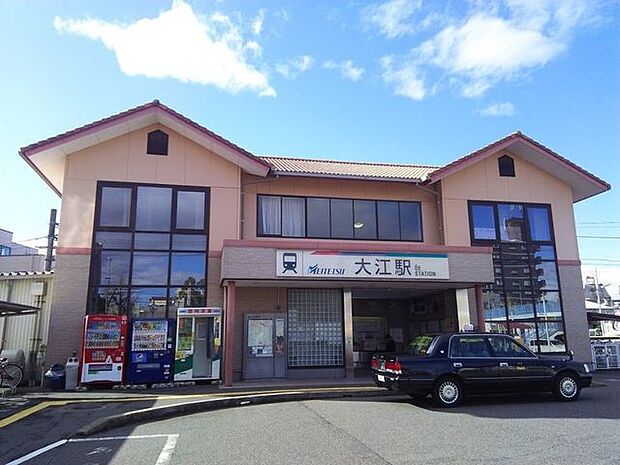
(348, 169)
(6, 274)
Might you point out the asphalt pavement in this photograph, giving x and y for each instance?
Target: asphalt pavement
(532, 429)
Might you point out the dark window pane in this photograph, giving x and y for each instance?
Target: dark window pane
(152, 241)
(545, 276)
(540, 228)
(551, 336)
(365, 219)
(293, 216)
(506, 166)
(185, 297)
(115, 207)
(113, 240)
(190, 210)
(520, 305)
(318, 218)
(543, 252)
(150, 268)
(548, 305)
(494, 307)
(410, 221)
(342, 218)
(269, 210)
(148, 302)
(387, 221)
(153, 209)
(189, 242)
(483, 219)
(108, 300)
(111, 268)
(506, 347)
(188, 269)
(157, 143)
(469, 346)
(511, 222)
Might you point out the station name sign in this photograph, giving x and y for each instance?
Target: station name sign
(329, 264)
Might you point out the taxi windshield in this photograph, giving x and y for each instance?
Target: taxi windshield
(420, 345)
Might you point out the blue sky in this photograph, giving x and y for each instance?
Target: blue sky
(401, 81)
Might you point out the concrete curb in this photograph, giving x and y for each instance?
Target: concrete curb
(206, 405)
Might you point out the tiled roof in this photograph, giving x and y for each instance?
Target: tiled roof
(347, 169)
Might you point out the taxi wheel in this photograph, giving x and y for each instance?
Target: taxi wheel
(448, 392)
(566, 387)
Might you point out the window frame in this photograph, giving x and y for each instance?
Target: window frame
(331, 236)
(94, 287)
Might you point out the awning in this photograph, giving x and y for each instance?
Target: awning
(13, 309)
(596, 316)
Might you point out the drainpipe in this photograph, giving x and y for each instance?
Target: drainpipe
(439, 210)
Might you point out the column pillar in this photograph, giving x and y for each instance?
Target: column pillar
(348, 332)
(479, 307)
(229, 331)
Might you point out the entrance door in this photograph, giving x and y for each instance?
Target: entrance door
(265, 346)
(202, 355)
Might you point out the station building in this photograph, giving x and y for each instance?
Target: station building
(314, 262)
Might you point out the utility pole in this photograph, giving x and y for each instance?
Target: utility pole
(51, 237)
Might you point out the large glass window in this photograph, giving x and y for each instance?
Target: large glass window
(339, 218)
(342, 218)
(269, 211)
(153, 209)
(155, 264)
(115, 207)
(525, 298)
(315, 328)
(483, 219)
(318, 218)
(365, 219)
(293, 217)
(190, 210)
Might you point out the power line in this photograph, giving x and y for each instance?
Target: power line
(599, 237)
(30, 240)
(598, 222)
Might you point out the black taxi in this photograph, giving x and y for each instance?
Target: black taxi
(450, 366)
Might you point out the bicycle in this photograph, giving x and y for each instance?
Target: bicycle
(11, 374)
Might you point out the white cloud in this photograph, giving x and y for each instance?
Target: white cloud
(408, 81)
(346, 69)
(182, 45)
(295, 66)
(498, 109)
(493, 42)
(393, 17)
(257, 24)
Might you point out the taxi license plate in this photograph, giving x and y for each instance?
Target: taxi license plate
(381, 378)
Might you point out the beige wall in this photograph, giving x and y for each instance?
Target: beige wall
(324, 187)
(124, 159)
(481, 181)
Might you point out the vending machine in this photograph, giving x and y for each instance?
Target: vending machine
(198, 351)
(103, 348)
(151, 355)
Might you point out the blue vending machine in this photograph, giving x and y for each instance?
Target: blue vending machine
(151, 351)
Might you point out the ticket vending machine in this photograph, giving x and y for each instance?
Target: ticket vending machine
(151, 351)
(198, 351)
(103, 348)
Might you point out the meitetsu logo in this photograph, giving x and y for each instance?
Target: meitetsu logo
(322, 270)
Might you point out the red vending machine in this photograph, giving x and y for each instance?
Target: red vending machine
(103, 349)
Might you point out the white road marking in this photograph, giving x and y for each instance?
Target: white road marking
(166, 453)
(163, 459)
(38, 452)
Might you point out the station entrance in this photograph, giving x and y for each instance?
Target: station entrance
(388, 319)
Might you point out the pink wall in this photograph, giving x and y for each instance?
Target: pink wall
(325, 187)
(124, 159)
(481, 181)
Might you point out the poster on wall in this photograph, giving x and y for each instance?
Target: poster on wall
(260, 337)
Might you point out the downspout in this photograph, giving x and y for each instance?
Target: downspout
(439, 209)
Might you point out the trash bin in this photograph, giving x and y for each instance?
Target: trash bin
(56, 376)
(71, 373)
